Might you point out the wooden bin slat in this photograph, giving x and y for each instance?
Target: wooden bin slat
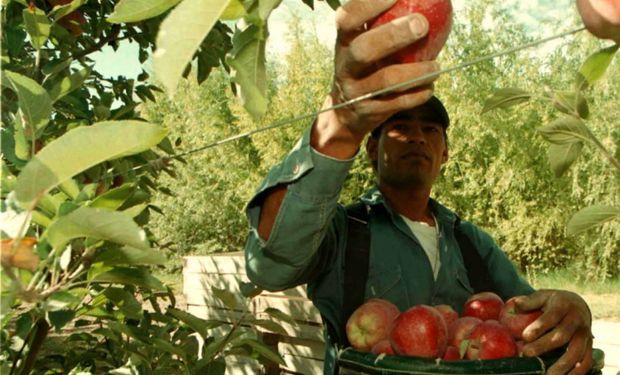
(229, 263)
(302, 347)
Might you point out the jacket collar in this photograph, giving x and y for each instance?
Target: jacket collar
(444, 215)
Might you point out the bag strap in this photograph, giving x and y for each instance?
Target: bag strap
(356, 259)
(477, 271)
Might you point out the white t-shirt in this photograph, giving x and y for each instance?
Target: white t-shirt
(427, 236)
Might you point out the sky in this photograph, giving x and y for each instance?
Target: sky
(541, 17)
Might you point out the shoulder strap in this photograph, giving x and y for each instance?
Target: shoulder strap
(356, 259)
(477, 271)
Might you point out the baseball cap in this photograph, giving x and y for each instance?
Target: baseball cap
(434, 104)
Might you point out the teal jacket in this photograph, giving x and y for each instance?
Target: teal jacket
(307, 244)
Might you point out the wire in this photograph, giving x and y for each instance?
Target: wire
(383, 91)
(164, 161)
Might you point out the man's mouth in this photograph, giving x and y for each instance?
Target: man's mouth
(416, 155)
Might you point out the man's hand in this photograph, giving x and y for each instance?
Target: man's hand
(566, 319)
(360, 69)
(601, 17)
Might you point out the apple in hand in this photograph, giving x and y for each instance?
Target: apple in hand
(370, 323)
(448, 313)
(460, 330)
(517, 321)
(420, 332)
(490, 340)
(438, 13)
(484, 306)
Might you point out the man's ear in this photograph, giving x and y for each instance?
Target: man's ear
(444, 156)
(372, 145)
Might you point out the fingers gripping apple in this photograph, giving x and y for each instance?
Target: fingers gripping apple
(438, 13)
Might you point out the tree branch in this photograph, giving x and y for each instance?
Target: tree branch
(116, 29)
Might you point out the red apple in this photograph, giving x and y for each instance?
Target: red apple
(460, 330)
(421, 332)
(484, 306)
(448, 313)
(383, 347)
(491, 341)
(515, 320)
(439, 16)
(452, 354)
(371, 323)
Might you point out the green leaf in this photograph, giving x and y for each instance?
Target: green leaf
(201, 326)
(249, 290)
(61, 11)
(96, 223)
(80, 149)
(565, 129)
(277, 314)
(262, 349)
(571, 103)
(34, 102)
(130, 276)
(562, 156)
(180, 35)
(130, 256)
(37, 25)
(114, 198)
(225, 296)
(130, 331)
(60, 318)
(56, 66)
(233, 11)
(265, 7)
(268, 325)
(334, 4)
(59, 301)
(138, 10)
(167, 347)
(596, 64)
(505, 98)
(591, 216)
(125, 301)
(248, 63)
(68, 84)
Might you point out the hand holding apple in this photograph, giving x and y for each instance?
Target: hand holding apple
(439, 16)
(358, 70)
(566, 319)
(516, 320)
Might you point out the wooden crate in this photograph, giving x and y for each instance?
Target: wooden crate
(302, 347)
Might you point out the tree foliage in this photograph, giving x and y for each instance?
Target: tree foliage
(79, 169)
(498, 174)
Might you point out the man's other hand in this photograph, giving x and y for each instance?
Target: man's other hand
(566, 320)
(601, 17)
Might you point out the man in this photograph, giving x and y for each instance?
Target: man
(299, 231)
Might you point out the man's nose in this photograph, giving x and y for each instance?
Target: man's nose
(415, 135)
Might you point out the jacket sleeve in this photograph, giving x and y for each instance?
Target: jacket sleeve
(506, 278)
(306, 228)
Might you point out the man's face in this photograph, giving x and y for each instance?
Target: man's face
(410, 151)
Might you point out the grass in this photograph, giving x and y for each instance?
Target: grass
(602, 296)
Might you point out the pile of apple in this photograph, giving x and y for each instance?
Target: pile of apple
(488, 329)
